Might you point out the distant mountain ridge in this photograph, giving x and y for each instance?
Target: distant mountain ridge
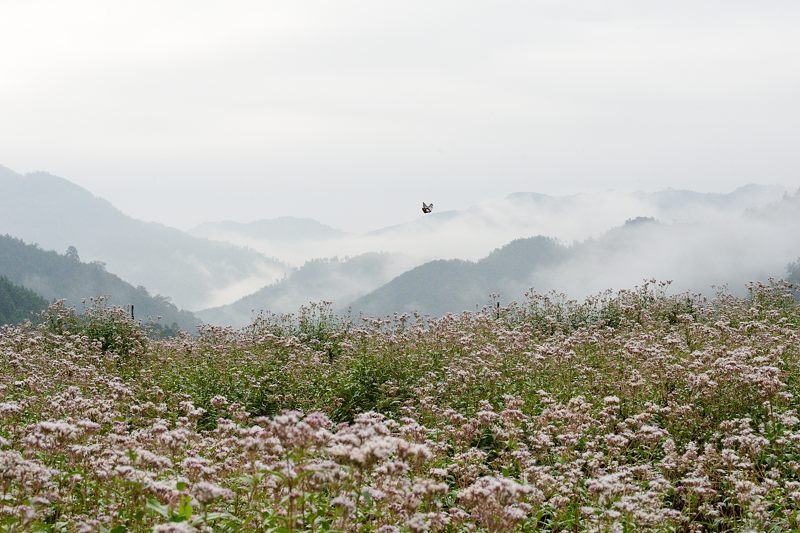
(741, 198)
(54, 276)
(279, 229)
(56, 213)
(669, 199)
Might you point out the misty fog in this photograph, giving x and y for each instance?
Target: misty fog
(695, 240)
(474, 231)
(696, 256)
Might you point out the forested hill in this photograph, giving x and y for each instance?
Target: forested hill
(55, 276)
(18, 303)
(454, 285)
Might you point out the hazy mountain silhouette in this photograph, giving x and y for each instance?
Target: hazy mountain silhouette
(54, 276)
(786, 208)
(575, 216)
(280, 229)
(56, 213)
(339, 281)
(469, 233)
(677, 201)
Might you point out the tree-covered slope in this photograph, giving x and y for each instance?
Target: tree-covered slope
(451, 286)
(55, 276)
(18, 303)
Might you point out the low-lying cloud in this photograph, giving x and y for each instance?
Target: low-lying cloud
(695, 240)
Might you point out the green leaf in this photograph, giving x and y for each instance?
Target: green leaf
(156, 506)
(118, 529)
(185, 508)
(181, 485)
(211, 517)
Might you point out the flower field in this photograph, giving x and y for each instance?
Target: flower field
(629, 411)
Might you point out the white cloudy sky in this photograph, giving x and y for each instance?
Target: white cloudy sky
(353, 112)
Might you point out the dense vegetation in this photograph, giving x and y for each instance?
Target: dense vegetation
(56, 276)
(18, 303)
(628, 411)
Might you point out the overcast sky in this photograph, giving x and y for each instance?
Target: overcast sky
(353, 112)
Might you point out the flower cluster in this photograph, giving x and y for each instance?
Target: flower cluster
(630, 411)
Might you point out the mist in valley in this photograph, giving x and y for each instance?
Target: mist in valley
(471, 232)
(604, 241)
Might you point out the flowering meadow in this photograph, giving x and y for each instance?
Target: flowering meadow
(630, 411)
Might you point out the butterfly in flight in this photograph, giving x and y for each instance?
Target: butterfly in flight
(427, 208)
